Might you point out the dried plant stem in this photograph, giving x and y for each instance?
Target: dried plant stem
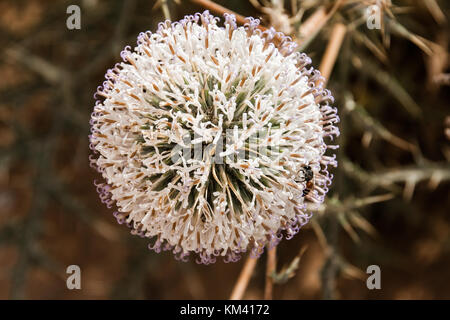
(48, 71)
(244, 278)
(435, 11)
(313, 23)
(165, 9)
(270, 269)
(312, 26)
(332, 50)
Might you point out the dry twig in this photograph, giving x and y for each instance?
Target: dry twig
(244, 278)
(270, 270)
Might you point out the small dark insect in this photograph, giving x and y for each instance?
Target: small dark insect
(308, 173)
(309, 179)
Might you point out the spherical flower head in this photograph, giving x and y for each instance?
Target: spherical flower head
(212, 139)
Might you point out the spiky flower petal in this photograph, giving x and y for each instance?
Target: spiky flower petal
(211, 139)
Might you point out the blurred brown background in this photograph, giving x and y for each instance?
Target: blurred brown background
(389, 204)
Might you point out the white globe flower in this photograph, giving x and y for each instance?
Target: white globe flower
(211, 139)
